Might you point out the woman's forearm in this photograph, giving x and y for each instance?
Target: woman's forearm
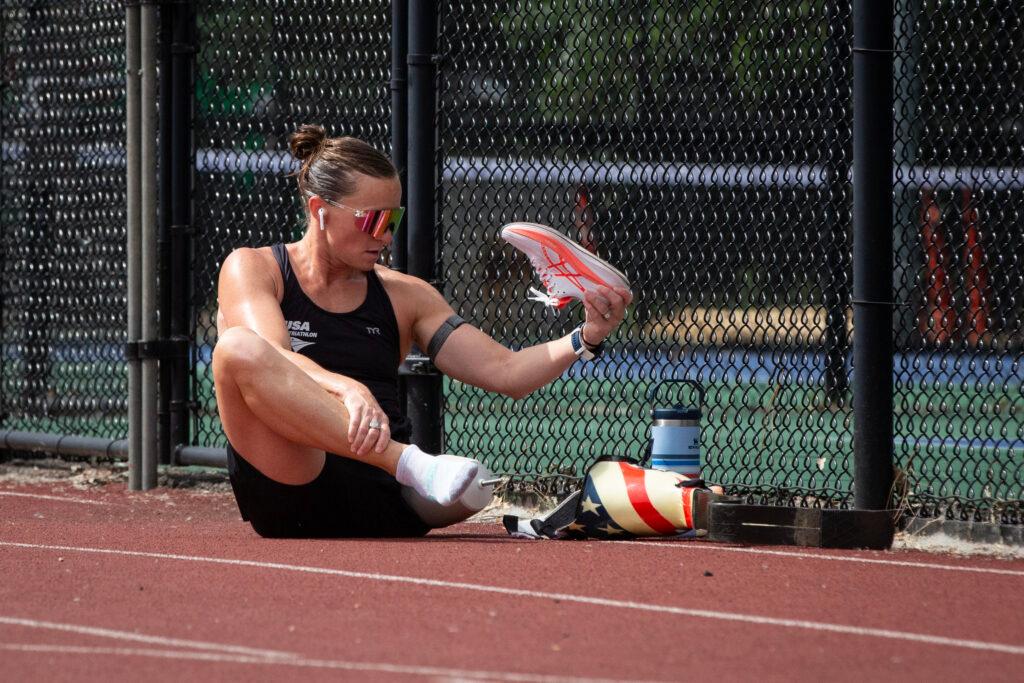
(531, 368)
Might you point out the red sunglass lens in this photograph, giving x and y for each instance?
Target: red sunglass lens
(367, 222)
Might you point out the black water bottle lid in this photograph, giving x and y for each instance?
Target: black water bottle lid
(676, 413)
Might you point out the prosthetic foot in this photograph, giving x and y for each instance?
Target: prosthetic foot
(475, 498)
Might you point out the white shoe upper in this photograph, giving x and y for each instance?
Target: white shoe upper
(566, 269)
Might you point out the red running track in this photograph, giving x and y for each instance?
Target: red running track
(107, 584)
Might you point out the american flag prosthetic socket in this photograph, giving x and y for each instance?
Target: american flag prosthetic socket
(619, 500)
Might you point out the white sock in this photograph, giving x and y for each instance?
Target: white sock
(442, 480)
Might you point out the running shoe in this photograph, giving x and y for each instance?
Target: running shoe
(566, 269)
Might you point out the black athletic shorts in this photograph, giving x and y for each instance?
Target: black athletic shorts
(348, 499)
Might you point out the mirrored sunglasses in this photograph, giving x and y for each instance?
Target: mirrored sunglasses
(378, 222)
(375, 222)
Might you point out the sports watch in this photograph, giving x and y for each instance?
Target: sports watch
(581, 348)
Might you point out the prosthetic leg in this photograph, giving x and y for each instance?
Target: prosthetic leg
(475, 499)
(620, 500)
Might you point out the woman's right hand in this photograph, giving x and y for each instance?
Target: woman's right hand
(368, 425)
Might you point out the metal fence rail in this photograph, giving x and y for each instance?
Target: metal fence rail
(704, 148)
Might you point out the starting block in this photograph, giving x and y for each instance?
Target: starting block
(730, 522)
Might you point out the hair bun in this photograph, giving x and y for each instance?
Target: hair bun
(307, 141)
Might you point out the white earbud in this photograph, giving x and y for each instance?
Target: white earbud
(320, 211)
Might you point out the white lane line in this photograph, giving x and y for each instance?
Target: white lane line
(63, 499)
(690, 545)
(566, 597)
(141, 638)
(432, 671)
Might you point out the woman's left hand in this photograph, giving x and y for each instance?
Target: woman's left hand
(605, 310)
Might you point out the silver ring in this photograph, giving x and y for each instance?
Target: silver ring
(374, 425)
(607, 315)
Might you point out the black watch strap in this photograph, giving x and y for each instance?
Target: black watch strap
(596, 349)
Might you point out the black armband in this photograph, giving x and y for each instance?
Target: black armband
(442, 334)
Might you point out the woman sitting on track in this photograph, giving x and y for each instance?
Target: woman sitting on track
(311, 335)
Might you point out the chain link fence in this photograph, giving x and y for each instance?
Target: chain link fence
(704, 148)
(62, 218)
(959, 200)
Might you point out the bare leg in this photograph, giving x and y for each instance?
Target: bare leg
(278, 417)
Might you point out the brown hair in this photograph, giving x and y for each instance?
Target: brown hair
(328, 164)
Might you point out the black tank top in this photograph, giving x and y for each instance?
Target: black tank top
(362, 344)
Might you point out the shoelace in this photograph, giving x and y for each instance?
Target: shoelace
(546, 298)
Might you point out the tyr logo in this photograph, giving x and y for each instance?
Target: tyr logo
(373, 331)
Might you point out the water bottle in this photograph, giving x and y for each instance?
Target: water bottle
(675, 433)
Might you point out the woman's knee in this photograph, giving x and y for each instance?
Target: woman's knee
(238, 351)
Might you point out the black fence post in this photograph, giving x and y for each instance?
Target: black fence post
(400, 117)
(872, 252)
(175, 179)
(424, 389)
(400, 137)
(183, 51)
(163, 435)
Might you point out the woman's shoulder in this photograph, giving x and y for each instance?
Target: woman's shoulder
(403, 284)
(249, 256)
(253, 265)
(411, 297)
